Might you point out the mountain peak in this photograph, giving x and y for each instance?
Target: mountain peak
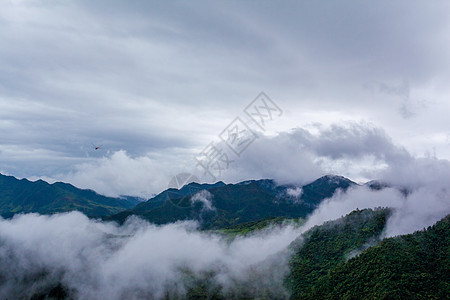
(333, 179)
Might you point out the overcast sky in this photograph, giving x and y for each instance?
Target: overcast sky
(362, 89)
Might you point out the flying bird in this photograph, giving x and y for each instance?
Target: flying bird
(97, 147)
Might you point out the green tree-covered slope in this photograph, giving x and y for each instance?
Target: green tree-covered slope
(413, 266)
(23, 196)
(322, 248)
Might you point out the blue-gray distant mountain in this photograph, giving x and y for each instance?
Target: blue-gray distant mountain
(221, 205)
(24, 196)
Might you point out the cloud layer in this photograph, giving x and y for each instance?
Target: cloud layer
(96, 260)
(356, 150)
(154, 80)
(420, 209)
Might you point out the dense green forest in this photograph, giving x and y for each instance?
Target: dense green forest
(254, 226)
(413, 266)
(323, 248)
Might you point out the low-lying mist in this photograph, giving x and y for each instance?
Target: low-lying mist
(420, 208)
(97, 260)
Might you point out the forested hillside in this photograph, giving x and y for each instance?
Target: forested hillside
(24, 196)
(413, 266)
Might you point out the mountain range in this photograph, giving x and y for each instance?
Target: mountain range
(222, 205)
(24, 196)
(217, 205)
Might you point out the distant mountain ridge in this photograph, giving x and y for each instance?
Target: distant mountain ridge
(24, 196)
(238, 203)
(231, 204)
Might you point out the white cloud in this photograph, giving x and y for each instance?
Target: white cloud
(121, 174)
(98, 260)
(295, 192)
(205, 198)
(426, 204)
(356, 150)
